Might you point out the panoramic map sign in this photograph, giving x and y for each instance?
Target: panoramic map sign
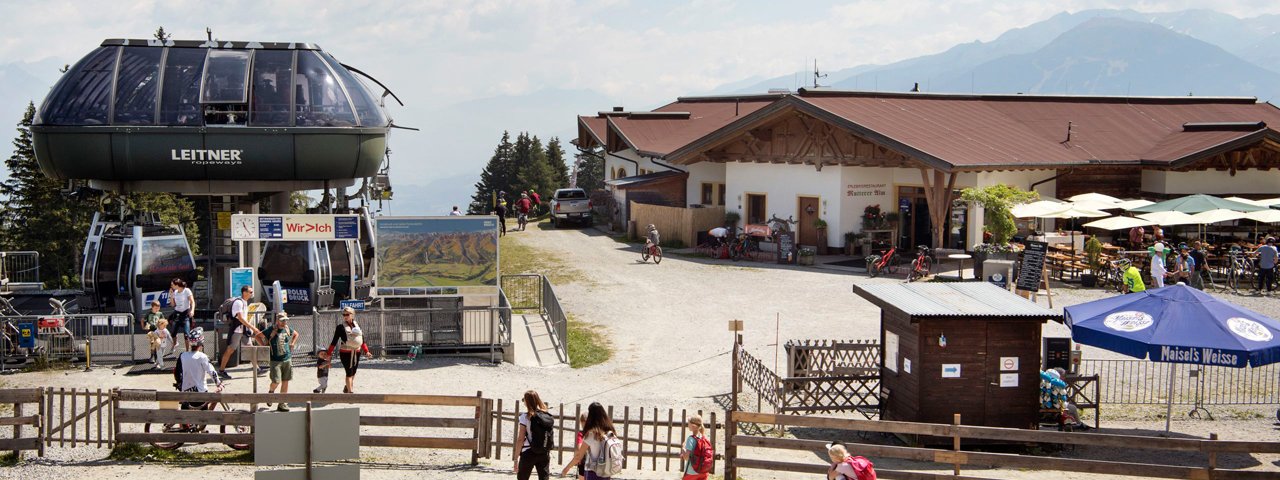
(437, 256)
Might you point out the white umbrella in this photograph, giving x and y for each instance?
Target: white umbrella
(1264, 216)
(1245, 200)
(1120, 223)
(1095, 198)
(1094, 205)
(1270, 202)
(1169, 218)
(1072, 211)
(1131, 204)
(1037, 208)
(1219, 215)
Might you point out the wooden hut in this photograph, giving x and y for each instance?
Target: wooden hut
(970, 348)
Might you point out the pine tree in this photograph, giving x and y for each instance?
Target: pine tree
(535, 172)
(172, 209)
(38, 216)
(590, 171)
(496, 177)
(555, 158)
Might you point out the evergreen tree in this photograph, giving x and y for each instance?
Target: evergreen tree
(38, 216)
(534, 171)
(590, 171)
(555, 158)
(173, 209)
(496, 177)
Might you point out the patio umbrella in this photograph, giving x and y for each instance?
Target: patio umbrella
(1037, 208)
(1168, 218)
(1177, 324)
(1195, 204)
(1120, 223)
(1132, 204)
(1095, 198)
(1270, 202)
(1264, 216)
(1074, 212)
(1245, 200)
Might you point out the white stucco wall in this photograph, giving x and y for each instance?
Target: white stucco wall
(1212, 182)
(704, 172)
(1020, 179)
(612, 163)
(783, 185)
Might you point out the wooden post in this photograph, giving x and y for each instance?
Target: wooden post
(475, 453)
(1048, 293)
(115, 422)
(497, 429)
(40, 423)
(626, 428)
(310, 443)
(101, 407)
(560, 436)
(17, 428)
(731, 428)
(1213, 455)
(955, 442)
(713, 437)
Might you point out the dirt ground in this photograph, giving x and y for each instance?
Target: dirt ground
(667, 324)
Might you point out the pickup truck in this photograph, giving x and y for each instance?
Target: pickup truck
(570, 205)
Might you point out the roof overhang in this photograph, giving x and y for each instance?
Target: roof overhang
(1221, 148)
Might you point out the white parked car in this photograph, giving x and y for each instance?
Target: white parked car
(570, 205)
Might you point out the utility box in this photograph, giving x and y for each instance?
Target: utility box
(970, 348)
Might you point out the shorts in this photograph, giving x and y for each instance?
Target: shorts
(350, 361)
(237, 339)
(281, 371)
(181, 322)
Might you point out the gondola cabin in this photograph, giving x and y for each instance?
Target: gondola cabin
(127, 264)
(314, 274)
(970, 348)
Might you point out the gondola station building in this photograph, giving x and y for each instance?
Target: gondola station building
(829, 155)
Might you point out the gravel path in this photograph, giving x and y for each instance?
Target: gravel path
(667, 324)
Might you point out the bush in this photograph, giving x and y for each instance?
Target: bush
(998, 200)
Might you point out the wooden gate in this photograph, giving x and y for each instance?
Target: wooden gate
(75, 417)
(22, 418)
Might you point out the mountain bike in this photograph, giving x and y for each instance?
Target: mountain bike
(214, 405)
(744, 247)
(877, 264)
(1239, 269)
(522, 220)
(919, 266)
(651, 251)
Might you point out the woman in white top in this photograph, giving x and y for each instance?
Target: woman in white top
(1157, 264)
(183, 302)
(525, 459)
(599, 426)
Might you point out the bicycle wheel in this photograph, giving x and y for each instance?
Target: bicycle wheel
(166, 428)
(735, 252)
(873, 265)
(657, 255)
(891, 266)
(644, 254)
(240, 429)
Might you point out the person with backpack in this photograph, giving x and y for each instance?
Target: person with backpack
(698, 455)
(242, 330)
(535, 439)
(848, 467)
(348, 338)
(600, 449)
(281, 339)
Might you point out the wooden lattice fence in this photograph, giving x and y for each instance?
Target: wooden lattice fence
(823, 376)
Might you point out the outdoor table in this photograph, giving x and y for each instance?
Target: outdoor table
(961, 257)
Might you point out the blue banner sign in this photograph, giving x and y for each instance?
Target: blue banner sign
(346, 228)
(1201, 356)
(357, 305)
(270, 227)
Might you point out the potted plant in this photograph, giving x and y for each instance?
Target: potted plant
(821, 242)
(731, 218)
(1093, 257)
(997, 200)
(851, 240)
(805, 256)
(990, 251)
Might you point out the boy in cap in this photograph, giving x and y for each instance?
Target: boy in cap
(281, 339)
(323, 362)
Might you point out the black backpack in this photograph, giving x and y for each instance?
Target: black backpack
(224, 310)
(541, 432)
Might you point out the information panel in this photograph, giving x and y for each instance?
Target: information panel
(246, 227)
(1031, 268)
(437, 256)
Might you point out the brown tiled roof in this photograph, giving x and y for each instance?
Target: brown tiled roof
(1012, 131)
(658, 135)
(591, 131)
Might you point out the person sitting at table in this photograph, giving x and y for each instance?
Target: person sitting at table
(1136, 235)
(1157, 233)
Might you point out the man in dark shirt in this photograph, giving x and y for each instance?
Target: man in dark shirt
(1201, 265)
(501, 211)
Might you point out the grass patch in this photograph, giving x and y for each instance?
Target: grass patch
(586, 346)
(9, 459)
(517, 257)
(136, 452)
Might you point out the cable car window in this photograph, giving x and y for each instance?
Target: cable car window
(339, 259)
(326, 273)
(226, 77)
(272, 80)
(91, 256)
(83, 96)
(318, 99)
(180, 97)
(163, 259)
(108, 261)
(284, 261)
(366, 107)
(136, 86)
(126, 269)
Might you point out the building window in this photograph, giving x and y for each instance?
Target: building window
(713, 193)
(755, 209)
(720, 194)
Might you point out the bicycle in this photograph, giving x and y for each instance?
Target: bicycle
(744, 247)
(882, 263)
(651, 250)
(1239, 267)
(522, 220)
(919, 266)
(214, 405)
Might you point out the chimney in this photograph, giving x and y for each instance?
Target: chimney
(618, 109)
(916, 88)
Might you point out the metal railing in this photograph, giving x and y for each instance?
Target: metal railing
(555, 314)
(427, 328)
(20, 267)
(1141, 382)
(524, 291)
(113, 336)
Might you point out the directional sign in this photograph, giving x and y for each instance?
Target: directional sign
(295, 227)
(357, 305)
(951, 370)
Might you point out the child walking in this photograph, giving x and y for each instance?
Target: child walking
(322, 371)
(161, 340)
(691, 456)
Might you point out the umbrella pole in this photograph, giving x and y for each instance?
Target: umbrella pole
(1168, 412)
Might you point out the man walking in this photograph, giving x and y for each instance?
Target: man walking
(1201, 265)
(537, 201)
(242, 330)
(501, 211)
(1267, 266)
(281, 339)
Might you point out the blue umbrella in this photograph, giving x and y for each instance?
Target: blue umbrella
(1177, 324)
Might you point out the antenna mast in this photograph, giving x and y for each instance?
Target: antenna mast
(816, 74)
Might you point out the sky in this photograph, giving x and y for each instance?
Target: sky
(439, 55)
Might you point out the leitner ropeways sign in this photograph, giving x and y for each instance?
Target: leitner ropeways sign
(295, 227)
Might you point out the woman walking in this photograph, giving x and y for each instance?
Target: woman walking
(183, 302)
(533, 452)
(692, 456)
(351, 341)
(598, 429)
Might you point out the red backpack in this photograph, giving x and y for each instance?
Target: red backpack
(703, 457)
(862, 468)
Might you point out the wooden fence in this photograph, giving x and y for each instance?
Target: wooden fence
(651, 437)
(958, 459)
(682, 224)
(856, 390)
(23, 416)
(77, 417)
(474, 423)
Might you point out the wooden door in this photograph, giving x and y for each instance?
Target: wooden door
(809, 210)
(1012, 390)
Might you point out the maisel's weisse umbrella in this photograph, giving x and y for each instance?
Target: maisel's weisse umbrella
(1177, 324)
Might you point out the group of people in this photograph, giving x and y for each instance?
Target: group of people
(193, 364)
(597, 449)
(1189, 264)
(162, 330)
(527, 204)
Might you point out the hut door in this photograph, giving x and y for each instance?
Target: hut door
(1012, 404)
(809, 211)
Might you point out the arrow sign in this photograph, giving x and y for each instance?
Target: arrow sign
(951, 370)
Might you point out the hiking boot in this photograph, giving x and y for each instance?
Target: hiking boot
(282, 408)
(223, 374)
(318, 390)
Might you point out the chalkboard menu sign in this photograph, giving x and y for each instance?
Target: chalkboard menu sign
(1032, 266)
(786, 247)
